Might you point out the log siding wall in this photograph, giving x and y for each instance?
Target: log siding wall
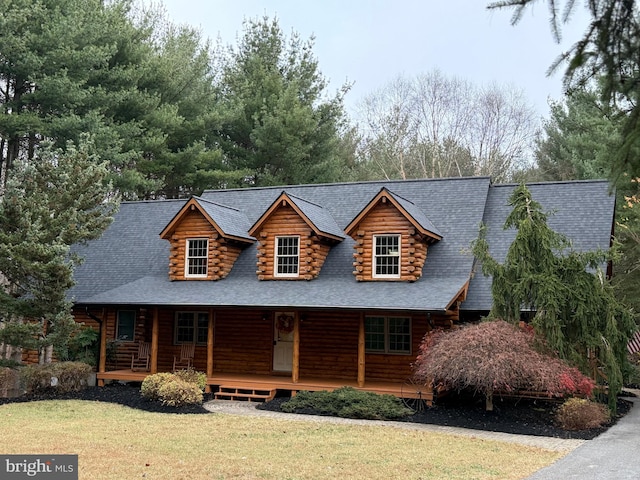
(243, 342)
(385, 219)
(222, 252)
(286, 222)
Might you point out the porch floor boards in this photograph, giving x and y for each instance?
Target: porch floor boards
(222, 381)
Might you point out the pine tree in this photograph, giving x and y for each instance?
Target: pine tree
(275, 123)
(52, 202)
(574, 309)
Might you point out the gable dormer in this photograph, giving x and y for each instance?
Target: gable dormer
(206, 239)
(392, 236)
(295, 237)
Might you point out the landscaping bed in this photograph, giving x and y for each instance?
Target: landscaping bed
(517, 416)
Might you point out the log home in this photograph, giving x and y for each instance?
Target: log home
(305, 287)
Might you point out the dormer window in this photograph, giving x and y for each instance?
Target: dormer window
(287, 256)
(386, 260)
(197, 258)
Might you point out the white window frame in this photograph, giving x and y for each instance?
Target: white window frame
(276, 257)
(188, 258)
(375, 256)
(388, 334)
(196, 316)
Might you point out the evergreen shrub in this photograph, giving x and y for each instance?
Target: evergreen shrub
(151, 385)
(178, 393)
(175, 389)
(193, 376)
(347, 402)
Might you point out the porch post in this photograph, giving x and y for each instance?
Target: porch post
(361, 352)
(102, 363)
(295, 368)
(154, 342)
(210, 349)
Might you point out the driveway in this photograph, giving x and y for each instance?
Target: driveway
(613, 455)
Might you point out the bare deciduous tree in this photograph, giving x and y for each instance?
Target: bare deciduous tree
(438, 126)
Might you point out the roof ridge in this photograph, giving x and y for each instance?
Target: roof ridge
(552, 182)
(217, 204)
(403, 198)
(290, 195)
(366, 182)
(161, 200)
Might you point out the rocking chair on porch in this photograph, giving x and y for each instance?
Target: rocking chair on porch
(140, 362)
(185, 360)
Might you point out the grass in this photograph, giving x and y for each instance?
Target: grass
(115, 442)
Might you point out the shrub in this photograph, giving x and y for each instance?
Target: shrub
(193, 376)
(348, 402)
(175, 389)
(581, 414)
(70, 376)
(83, 346)
(150, 388)
(177, 393)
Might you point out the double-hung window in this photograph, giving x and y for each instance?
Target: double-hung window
(386, 256)
(125, 329)
(197, 258)
(287, 256)
(388, 335)
(191, 327)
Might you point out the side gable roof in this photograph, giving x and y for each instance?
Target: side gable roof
(128, 264)
(318, 219)
(411, 212)
(229, 222)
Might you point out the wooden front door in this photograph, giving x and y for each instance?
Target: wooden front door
(283, 342)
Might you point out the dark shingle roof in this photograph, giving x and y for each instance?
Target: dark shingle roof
(582, 211)
(231, 221)
(417, 214)
(129, 263)
(318, 216)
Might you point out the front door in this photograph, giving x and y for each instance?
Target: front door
(283, 342)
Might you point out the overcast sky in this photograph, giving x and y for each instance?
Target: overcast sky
(370, 42)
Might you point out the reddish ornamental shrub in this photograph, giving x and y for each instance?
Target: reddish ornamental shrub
(496, 356)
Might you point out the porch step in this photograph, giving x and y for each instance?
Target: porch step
(227, 392)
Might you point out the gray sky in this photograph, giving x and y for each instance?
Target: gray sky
(370, 42)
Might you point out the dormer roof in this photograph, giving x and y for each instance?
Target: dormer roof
(407, 208)
(227, 221)
(315, 216)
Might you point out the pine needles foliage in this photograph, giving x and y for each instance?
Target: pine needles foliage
(573, 305)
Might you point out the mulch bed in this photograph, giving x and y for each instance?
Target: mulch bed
(518, 416)
(510, 415)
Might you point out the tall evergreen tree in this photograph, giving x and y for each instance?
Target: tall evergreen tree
(608, 50)
(58, 199)
(140, 86)
(276, 125)
(574, 309)
(579, 138)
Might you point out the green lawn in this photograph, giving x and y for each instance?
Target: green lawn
(115, 442)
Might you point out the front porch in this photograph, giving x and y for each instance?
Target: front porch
(244, 382)
(252, 354)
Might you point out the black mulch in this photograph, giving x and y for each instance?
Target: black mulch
(519, 416)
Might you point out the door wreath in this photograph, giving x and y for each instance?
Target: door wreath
(284, 323)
